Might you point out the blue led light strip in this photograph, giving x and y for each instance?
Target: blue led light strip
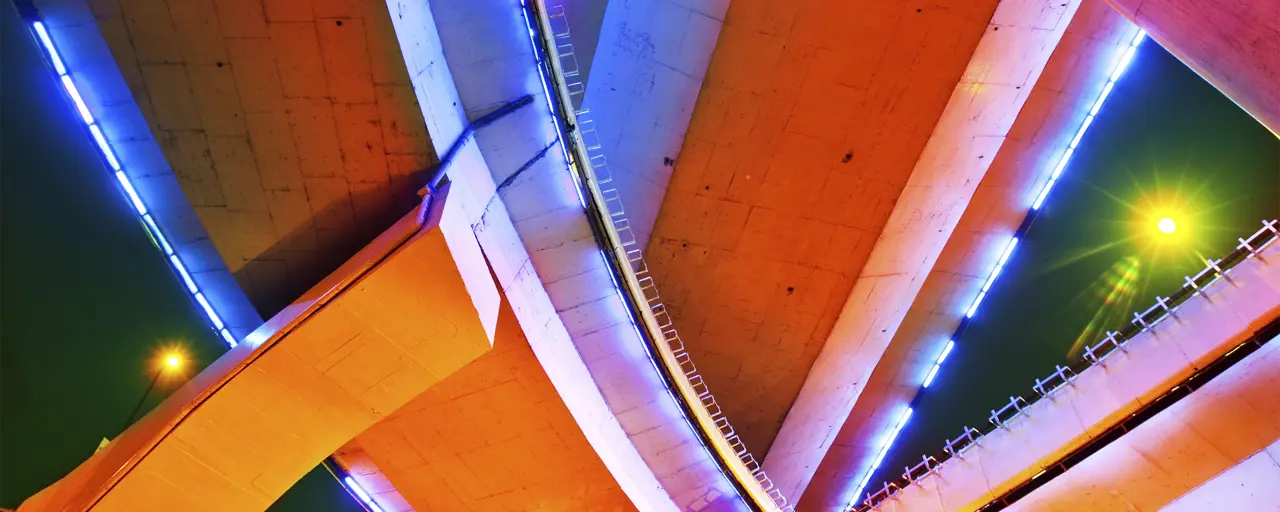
(1088, 120)
(884, 450)
(361, 493)
(1116, 73)
(104, 147)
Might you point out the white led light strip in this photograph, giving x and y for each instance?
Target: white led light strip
(1116, 73)
(68, 84)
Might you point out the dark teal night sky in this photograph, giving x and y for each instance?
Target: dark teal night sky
(87, 298)
(1165, 136)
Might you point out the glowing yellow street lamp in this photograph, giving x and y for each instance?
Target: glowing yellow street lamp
(1167, 226)
(172, 365)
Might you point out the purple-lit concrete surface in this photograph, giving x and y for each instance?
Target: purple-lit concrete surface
(465, 58)
(649, 65)
(1211, 451)
(1014, 47)
(1203, 328)
(1069, 87)
(409, 309)
(1248, 485)
(1233, 45)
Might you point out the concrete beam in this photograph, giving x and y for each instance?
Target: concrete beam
(405, 312)
(651, 60)
(1210, 451)
(1017, 43)
(1073, 78)
(806, 130)
(1204, 328)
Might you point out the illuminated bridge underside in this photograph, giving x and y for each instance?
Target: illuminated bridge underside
(407, 311)
(1072, 79)
(801, 141)
(285, 130)
(829, 158)
(272, 119)
(1235, 417)
(831, 155)
(1202, 329)
(464, 59)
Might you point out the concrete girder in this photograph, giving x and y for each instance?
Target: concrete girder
(1173, 460)
(1012, 52)
(804, 134)
(1205, 327)
(1071, 82)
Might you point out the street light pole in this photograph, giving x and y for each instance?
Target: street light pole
(142, 400)
(173, 362)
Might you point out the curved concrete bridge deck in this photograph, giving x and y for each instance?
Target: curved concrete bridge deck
(408, 310)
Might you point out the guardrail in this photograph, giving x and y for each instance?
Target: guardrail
(1096, 354)
(550, 31)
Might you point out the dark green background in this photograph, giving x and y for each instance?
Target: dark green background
(87, 298)
(1163, 132)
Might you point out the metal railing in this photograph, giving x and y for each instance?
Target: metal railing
(590, 166)
(1114, 342)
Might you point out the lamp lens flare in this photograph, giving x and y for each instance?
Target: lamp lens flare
(173, 362)
(1167, 226)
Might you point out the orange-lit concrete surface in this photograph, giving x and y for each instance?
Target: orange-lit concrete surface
(1233, 45)
(1248, 485)
(493, 436)
(804, 134)
(289, 126)
(1204, 328)
(1233, 417)
(465, 58)
(1016, 42)
(409, 309)
(1072, 79)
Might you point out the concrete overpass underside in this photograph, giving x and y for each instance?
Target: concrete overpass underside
(820, 190)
